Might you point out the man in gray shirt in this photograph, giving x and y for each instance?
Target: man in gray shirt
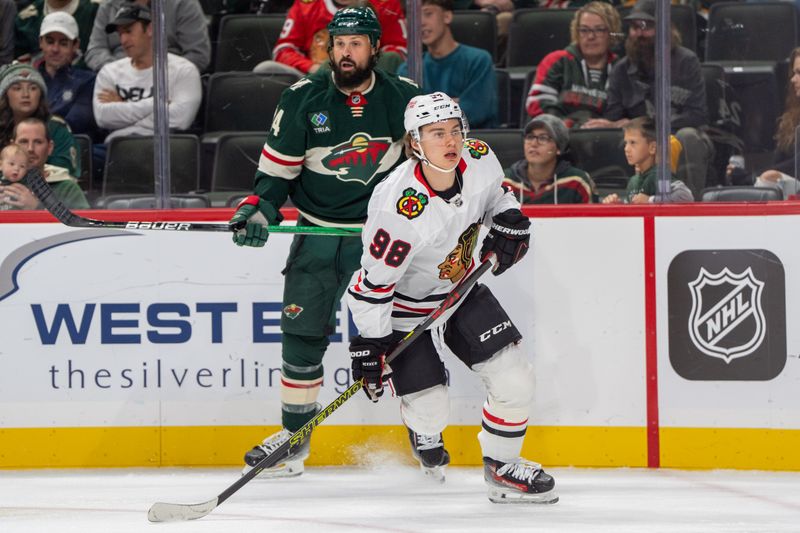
(185, 24)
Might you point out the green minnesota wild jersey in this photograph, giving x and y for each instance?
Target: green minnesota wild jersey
(327, 150)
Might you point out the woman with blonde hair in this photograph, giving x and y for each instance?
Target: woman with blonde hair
(572, 83)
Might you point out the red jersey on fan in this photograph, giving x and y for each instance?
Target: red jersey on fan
(304, 37)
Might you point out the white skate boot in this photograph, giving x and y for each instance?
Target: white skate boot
(521, 481)
(288, 467)
(429, 451)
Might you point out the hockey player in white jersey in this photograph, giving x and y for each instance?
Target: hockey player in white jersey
(422, 229)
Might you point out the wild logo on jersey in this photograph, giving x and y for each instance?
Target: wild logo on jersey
(358, 159)
(477, 148)
(292, 311)
(455, 265)
(411, 204)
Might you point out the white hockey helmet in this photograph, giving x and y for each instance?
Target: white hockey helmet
(430, 108)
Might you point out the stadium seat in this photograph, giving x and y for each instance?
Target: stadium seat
(129, 165)
(243, 41)
(741, 194)
(235, 161)
(148, 201)
(742, 31)
(504, 108)
(476, 28)
(599, 152)
(534, 33)
(506, 144)
(231, 105)
(85, 180)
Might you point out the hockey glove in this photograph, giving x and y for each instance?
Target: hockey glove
(367, 362)
(252, 217)
(508, 239)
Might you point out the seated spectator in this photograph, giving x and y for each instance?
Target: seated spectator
(783, 160)
(302, 47)
(29, 21)
(8, 14)
(546, 176)
(464, 73)
(572, 83)
(123, 91)
(631, 93)
(23, 94)
(31, 135)
(640, 151)
(185, 25)
(69, 88)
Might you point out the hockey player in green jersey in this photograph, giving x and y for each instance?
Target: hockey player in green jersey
(334, 136)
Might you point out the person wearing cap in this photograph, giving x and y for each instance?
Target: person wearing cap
(464, 73)
(184, 23)
(123, 91)
(23, 94)
(69, 87)
(29, 21)
(546, 175)
(572, 83)
(631, 94)
(302, 47)
(335, 135)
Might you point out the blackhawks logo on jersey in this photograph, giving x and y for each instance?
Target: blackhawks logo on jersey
(359, 159)
(411, 204)
(455, 265)
(477, 148)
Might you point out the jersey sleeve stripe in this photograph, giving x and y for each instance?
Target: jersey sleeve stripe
(369, 299)
(281, 159)
(431, 298)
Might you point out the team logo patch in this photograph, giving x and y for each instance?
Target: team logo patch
(477, 148)
(319, 121)
(411, 204)
(358, 159)
(292, 311)
(455, 265)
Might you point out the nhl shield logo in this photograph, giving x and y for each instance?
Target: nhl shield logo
(727, 319)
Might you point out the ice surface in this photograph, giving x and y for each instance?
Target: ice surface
(398, 498)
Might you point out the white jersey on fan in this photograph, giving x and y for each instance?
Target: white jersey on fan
(417, 245)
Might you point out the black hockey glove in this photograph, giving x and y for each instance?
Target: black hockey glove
(508, 239)
(367, 362)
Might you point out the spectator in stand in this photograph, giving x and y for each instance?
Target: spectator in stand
(8, 13)
(23, 94)
(29, 21)
(69, 88)
(123, 92)
(185, 25)
(640, 151)
(302, 47)
(631, 93)
(464, 73)
(31, 135)
(546, 175)
(572, 83)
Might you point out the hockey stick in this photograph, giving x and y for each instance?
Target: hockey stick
(173, 512)
(39, 187)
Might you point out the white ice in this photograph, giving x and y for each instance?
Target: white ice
(398, 499)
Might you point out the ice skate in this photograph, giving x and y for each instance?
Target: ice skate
(429, 451)
(291, 466)
(521, 481)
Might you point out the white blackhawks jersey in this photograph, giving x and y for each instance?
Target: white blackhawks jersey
(418, 246)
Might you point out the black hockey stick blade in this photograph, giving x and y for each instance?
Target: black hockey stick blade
(173, 512)
(39, 187)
